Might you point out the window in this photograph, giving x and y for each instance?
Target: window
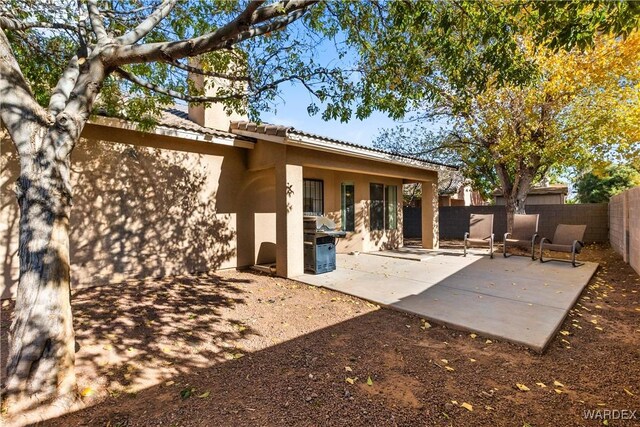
(348, 207)
(384, 207)
(313, 197)
(391, 206)
(376, 211)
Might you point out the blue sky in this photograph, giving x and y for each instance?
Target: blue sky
(292, 111)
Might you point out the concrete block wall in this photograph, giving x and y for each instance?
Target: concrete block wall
(454, 220)
(624, 226)
(634, 227)
(618, 224)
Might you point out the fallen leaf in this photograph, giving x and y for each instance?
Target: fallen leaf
(455, 402)
(541, 385)
(558, 384)
(473, 336)
(449, 368)
(168, 383)
(467, 406)
(348, 369)
(86, 392)
(522, 387)
(489, 408)
(445, 361)
(565, 333)
(472, 360)
(369, 381)
(557, 390)
(488, 342)
(349, 380)
(205, 394)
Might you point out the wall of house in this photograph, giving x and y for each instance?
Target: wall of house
(363, 239)
(145, 211)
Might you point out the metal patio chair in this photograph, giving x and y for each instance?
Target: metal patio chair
(525, 233)
(480, 232)
(567, 238)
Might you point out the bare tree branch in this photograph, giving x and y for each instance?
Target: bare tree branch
(224, 37)
(148, 24)
(202, 72)
(8, 23)
(97, 24)
(172, 93)
(64, 87)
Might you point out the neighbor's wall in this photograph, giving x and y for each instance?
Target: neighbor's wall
(142, 211)
(454, 220)
(624, 225)
(363, 239)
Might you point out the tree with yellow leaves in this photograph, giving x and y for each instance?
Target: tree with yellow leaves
(582, 108)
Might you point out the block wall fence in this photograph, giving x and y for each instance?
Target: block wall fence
(624, 226)
(454, 220)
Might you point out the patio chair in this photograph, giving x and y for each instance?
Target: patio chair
(567, 238)
(525, 233)
(480, 232)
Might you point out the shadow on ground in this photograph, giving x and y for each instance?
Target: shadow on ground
(306, 342)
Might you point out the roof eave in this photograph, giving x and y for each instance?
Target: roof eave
(337, 148)
(172, 132)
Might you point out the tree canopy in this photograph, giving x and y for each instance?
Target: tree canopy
(599, 186)
(62, 60)
(581, 108)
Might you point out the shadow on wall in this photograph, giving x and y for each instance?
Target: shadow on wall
(137, 212)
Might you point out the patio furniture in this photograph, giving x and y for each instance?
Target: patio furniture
(567, 238)
(525, 233)
(480, 232)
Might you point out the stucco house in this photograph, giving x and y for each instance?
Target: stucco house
(554, 194)
(205, 191)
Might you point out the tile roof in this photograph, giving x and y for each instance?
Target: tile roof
(278, 130)
(177, 117)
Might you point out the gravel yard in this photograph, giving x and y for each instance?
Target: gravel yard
(240, 348)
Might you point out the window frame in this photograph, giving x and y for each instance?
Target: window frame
(343, 206)
(378, 206)
(314, 198)
(387, 205)
(385, 208)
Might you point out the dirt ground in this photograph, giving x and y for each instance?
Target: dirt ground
(245, 349)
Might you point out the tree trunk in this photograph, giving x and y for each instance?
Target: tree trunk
(514, 190)
(514, 205)
(41, 355)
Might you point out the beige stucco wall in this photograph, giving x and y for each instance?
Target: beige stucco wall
(362, 239)
(144, 211)
(153, 205)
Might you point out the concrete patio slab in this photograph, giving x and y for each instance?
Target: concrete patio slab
(515, 299)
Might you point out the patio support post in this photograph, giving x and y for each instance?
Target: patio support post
(430, 232)
(289, 221)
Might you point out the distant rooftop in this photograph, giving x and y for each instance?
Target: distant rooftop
(550, 189)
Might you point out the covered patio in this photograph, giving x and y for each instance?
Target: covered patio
(515, 299)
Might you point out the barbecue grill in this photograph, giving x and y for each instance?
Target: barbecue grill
(320, 244)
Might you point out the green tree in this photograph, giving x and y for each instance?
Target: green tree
(598, 187)
(59, 61)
